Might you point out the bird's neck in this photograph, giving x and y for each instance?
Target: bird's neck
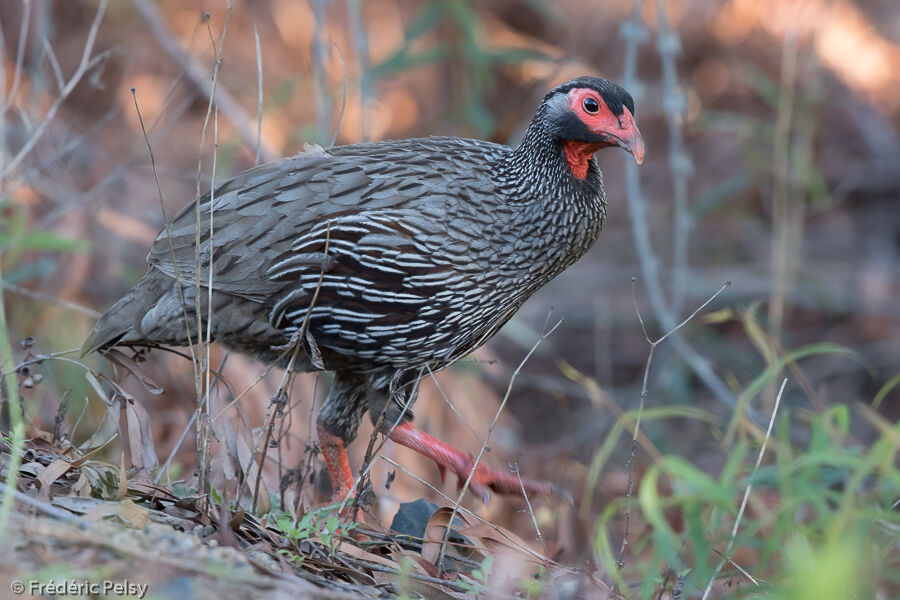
(564, 210)
(540, 170)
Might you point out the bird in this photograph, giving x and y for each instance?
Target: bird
(382, 261)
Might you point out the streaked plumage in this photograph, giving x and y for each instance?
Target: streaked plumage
(416, 252)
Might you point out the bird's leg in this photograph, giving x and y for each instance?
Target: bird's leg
(459, 463)
(334, 451)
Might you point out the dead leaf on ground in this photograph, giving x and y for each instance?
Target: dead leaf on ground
(140, 441)
(132, 514)
(436, 529)
(493, 539)
(48, 476)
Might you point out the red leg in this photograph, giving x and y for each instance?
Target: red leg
(448, 457)
(334, 451)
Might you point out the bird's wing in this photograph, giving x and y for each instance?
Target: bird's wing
(261, 213)
(381, 285)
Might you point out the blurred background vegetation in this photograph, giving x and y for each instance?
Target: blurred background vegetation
(773, 161)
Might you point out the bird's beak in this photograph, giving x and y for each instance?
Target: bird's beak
(628, 137)
(622, 131)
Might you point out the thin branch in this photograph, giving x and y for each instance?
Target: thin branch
(635, 34)
(20, 58)
(537, 529)
(287, 377)
(54, 64)
(637, 424)
(259, 92)
(740, 515)
(45, 507)
(783, 253)
(693, 314)
(199, 76)
(465, 486)
(674, 104)
(165, 466)
(87, 63)
(371, 449)
(212, 109)
(166, 226)
(450, 404)
(417, 576)
(48, 298)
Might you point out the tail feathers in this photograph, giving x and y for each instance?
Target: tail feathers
(123, 323)
(115, 324)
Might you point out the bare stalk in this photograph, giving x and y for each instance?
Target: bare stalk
(162, 210)
(629, 466)
(740, 515)
(635, 34)
(537, 529)
(198, 75)
(203, 423)
(487, 437)
(781, 191)
(674, 105)
(86, 64)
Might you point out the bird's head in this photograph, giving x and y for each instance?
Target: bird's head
(590, 113)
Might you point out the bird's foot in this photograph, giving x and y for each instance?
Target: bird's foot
(334, 452)
(483, 479)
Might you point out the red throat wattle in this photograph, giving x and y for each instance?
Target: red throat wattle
(578, 155)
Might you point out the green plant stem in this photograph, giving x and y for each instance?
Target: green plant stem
(15, 417)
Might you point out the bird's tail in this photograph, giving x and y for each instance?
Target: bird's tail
(124, 323)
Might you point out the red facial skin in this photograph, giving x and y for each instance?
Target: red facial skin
(615, 130)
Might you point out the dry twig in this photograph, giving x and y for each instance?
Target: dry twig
(199, 76)
(487, 437)
(740, 515)
(86, 63)
(644, 382)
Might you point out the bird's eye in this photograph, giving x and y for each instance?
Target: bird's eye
(591, 105)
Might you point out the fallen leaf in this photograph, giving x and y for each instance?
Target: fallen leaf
(54, 471)
(132, 514)
(140, 441)
(435, 530)
(123, 480)
(101, 511)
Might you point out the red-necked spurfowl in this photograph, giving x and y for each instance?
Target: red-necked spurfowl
(401, 255)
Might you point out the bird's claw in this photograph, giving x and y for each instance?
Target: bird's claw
(486, 479)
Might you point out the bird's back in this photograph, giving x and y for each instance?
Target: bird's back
(396, 231)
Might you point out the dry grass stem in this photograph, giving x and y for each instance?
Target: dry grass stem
(465, 487)
(537, 529)
(740, 515)
(629, 465)
(86, 64)
(198, 74)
